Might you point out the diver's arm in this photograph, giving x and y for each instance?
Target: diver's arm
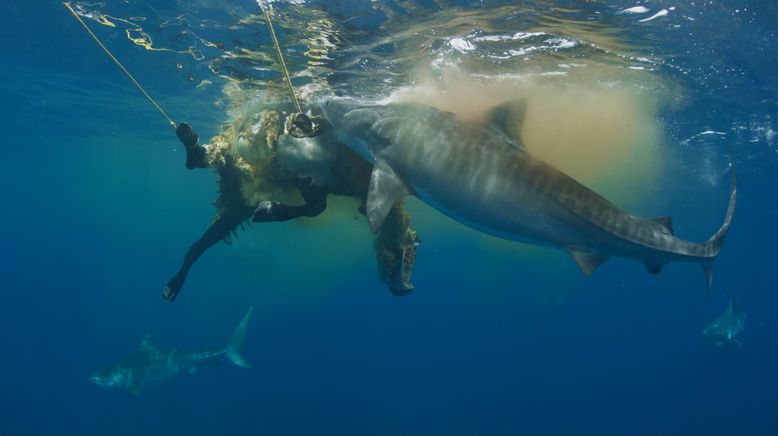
(195, 153)
(219, 230)
(315, 202)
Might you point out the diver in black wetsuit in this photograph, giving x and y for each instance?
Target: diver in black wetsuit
(395, 245)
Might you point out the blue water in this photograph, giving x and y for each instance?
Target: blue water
(98, 211)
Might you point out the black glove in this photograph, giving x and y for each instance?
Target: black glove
(186, 135)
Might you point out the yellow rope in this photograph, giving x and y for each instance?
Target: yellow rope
(119, 64)
(280, 56)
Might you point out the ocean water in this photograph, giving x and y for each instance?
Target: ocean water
(499, 338)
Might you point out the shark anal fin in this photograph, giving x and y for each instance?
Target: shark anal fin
(384, 191)
(587, 262)
(666, 222)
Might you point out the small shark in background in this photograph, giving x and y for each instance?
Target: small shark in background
(150, 365)
(726, 327)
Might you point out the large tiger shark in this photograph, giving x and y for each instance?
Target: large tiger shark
(481, 175)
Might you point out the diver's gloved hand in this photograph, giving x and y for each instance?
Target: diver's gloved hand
(187, 135)
(196, 155)
(266, 211)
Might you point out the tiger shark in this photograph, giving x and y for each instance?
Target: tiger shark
(150, 365)
(480, 174)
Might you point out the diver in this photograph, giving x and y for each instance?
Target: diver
(306, 158)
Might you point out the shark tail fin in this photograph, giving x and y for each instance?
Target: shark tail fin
(236, 341)
(713, 245)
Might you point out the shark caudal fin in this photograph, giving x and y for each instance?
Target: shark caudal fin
(236, 341)
(713, 245)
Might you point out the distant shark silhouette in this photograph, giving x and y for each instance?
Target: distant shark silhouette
(481, 175)
(149, 365)
(726, 327)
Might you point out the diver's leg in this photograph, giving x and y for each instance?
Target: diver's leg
(395, 247)
(195, 153)
(221, 227)
(315, 202)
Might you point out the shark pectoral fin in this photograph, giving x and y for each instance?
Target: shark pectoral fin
(384, 191)
(587, 261)
(738, 342)
(134, 389)
(666, 222)
(193, 370)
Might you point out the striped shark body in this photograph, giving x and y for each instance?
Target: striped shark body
(481, 175)
(149, 365)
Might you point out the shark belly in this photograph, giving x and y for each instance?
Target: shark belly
(157, 368)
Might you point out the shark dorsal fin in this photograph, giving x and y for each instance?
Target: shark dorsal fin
(734, 304)
(146, 344)
(666, 222)
(508, 118)
(588, 262)
(384, 191)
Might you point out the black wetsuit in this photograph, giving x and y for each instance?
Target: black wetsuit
(353, 178)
